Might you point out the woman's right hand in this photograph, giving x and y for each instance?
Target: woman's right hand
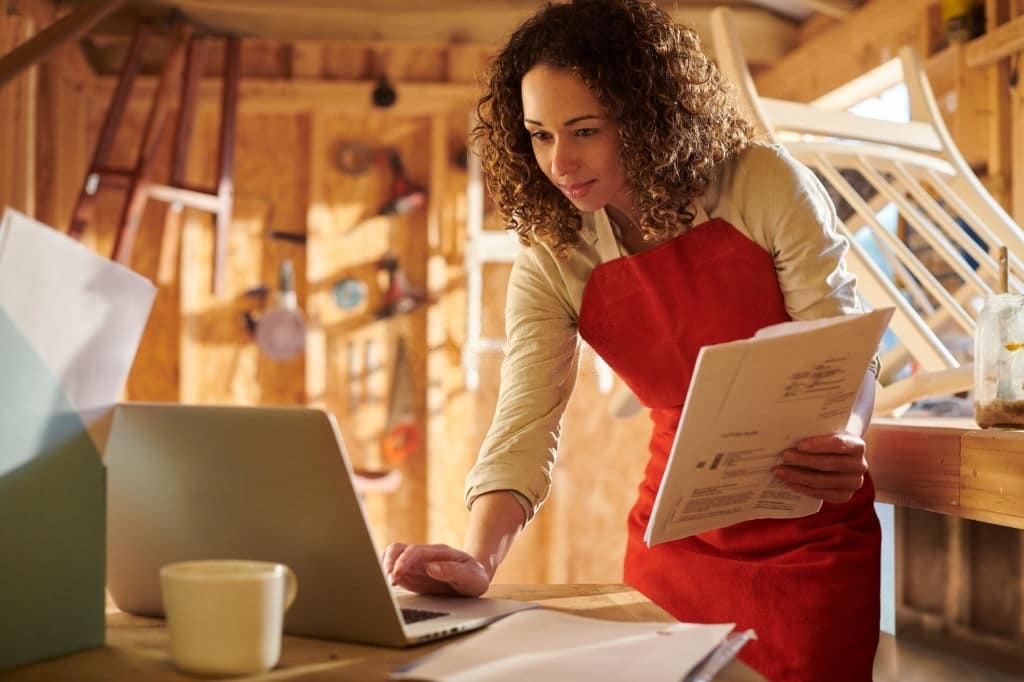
(435, 569)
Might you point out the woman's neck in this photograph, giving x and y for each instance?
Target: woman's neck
(630, 234)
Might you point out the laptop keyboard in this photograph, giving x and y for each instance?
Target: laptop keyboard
(411, 616)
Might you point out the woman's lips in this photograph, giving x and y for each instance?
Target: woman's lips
(577, 190)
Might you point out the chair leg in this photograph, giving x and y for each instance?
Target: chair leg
(171, 241)
(152, 134)
(85, 205)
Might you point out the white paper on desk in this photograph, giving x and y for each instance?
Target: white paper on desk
(747, 402)
(541, 645)
(83, 314)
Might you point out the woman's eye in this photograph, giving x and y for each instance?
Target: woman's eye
(586, 132)
(539, 135)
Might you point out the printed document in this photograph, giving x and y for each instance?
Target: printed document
(542, 645)
(748, 401)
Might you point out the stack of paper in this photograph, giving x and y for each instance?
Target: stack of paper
(748, 401)
(541, 645)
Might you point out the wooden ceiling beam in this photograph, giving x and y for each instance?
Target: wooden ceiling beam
(767, 36)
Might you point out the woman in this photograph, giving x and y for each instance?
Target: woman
(655, 224)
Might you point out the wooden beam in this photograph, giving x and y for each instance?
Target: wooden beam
(74, 65)
(864, 40)
(53, 36)
(1002, 41)
(766, 35)
(349, 97)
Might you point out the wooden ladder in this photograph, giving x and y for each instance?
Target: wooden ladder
(138, 180)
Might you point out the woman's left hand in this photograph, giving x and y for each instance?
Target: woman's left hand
(830, 468)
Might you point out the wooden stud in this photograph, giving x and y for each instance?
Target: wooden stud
(1000, 122)
(18, 123)
(1017, 134)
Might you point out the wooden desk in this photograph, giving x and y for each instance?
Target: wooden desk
(949, 466)
(137, 648)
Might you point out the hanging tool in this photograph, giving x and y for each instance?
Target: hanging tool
(355, 158)
(401, 297)
(406, 196)
(280, 331)
(401, 438)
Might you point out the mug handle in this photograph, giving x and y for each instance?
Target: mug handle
(291, 587)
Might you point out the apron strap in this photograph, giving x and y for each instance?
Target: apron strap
(608, 237)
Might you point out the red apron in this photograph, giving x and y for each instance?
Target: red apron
(808, 586)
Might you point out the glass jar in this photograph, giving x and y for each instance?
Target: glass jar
(999, 362)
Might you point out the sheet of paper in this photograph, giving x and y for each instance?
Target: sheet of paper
(83, 314)
(748, 401)
(543, 645)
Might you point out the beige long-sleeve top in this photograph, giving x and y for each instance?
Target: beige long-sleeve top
(764, 193)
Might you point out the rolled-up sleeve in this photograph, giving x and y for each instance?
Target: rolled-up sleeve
(537, 377)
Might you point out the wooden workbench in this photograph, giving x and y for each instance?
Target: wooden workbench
(137, 648)
(949, 466)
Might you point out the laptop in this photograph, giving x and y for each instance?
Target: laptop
(263, 483)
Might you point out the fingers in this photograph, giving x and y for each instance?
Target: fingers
(465, 577)
(829, 467)
(414, 558)
(834, 442)
(832, 495)
(435, 569)
(831, 462)
(391, 554)
(827, 486)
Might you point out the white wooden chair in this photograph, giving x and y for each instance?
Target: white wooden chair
(915, 167)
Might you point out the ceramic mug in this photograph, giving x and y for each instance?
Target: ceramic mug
(225, 616)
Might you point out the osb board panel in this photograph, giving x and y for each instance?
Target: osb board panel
(347, 240)
(220, 361)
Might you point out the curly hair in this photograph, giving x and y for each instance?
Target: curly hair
(676, 117)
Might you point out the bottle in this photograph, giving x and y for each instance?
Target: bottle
(999, 357)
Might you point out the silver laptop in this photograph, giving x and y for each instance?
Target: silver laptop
(264, 483)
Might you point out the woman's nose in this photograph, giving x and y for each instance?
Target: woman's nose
(564, 160)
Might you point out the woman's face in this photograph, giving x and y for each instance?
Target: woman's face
(575, 144)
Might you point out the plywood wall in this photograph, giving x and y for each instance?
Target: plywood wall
(196, 348)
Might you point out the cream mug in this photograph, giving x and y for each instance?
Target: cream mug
(225, 616)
